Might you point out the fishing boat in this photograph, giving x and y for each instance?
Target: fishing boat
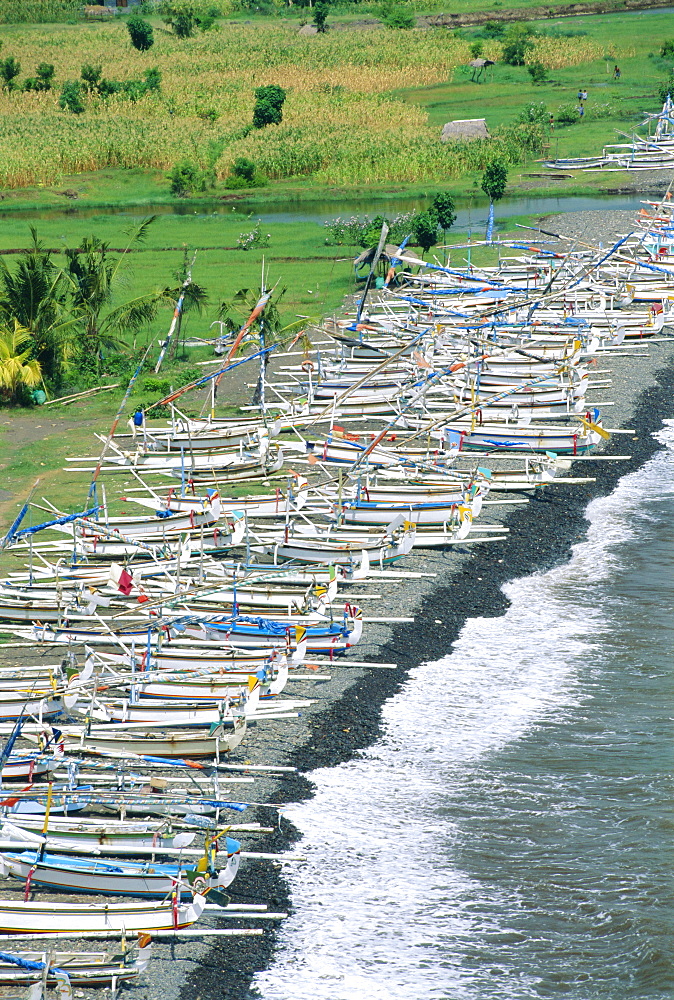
(32, 917)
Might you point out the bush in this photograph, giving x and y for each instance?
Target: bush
(516, 44)
(493, 29)
(537, 72)
(397, 17)
(567, 114)
(71, 97)
(140, 32)
(9, 70)
(180, 15)
(268, 108)
(667, 50)
(43, 79)
(535, 113)
(161, 385)
(184, 178)
(476, 49)
(666, 88)
(366, 232)
(244, 174)
(91, 77)
(246, 241)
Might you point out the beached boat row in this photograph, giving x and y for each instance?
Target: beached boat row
(164, 629)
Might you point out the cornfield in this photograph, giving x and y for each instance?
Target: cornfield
(339, 122)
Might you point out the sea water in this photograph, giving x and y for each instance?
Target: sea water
(510, 835)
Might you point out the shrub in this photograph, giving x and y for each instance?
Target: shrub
(567, 114)
(184, 178)
(246, 241)
(537, 72)
(43, 79)
(71, 97)
(667, 50)
(268, 108)
(534, 112)
(366, 232)
(493, 29)
(91, 77)
(9, 70)
(666, 88)
(476, 49)
(243, 174)
(397, 17)
(161, 385)
(140, 32)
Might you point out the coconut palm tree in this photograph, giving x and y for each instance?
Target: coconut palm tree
(95, 278)
(17, 368)
(35, 296)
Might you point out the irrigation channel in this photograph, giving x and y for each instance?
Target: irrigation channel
(470, 214)
(419, 688)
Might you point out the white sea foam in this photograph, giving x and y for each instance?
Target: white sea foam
(382, 910)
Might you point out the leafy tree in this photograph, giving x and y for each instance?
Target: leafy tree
(18, 370)
(140, 32)
(9, 70)
(396, 16)
(476, 50)
(94, 279)
(321, 11)
(71, 97)
(268, 108)
(667, 50)
(537, 71)
(443, 209)
(517, 42)
(43, 79)
(494, 181)
(35, 296)
(425, 229)
(493, 29)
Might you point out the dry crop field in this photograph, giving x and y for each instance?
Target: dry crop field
(340, 124)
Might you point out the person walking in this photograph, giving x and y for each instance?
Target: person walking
(616, 73)
(584, 96)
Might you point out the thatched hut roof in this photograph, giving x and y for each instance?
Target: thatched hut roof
(465, 130)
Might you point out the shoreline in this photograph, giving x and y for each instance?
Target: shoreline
(468, 584)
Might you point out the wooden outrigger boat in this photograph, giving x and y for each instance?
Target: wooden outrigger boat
(36, 917)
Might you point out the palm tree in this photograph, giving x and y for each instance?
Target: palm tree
(34, 296)
(17, 368)
(94, 279)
